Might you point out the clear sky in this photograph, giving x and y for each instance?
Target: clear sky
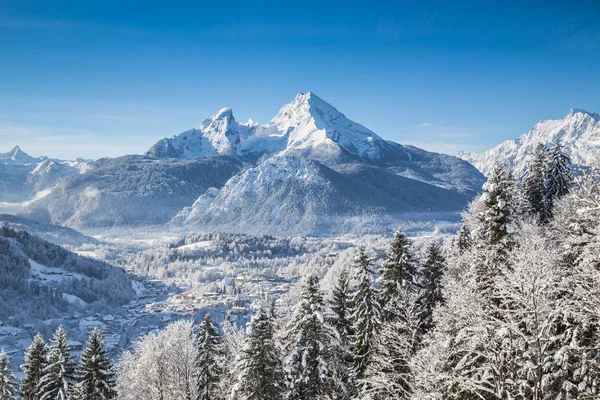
(106, 78)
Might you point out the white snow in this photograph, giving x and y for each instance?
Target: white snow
(51, 274)
(307, 126)
(578, 132)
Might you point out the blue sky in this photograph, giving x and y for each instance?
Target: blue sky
(103, 78)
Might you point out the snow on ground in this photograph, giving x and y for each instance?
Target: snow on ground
(206, 244)
(74, 300)
(51, 274)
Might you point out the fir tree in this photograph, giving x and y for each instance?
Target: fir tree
(398, 269)
(559, 177)
(59, 374)
(389, 375)
(310, 340)
(366, 313)
(33, 368)
(497, 215)
(208, 366)
(431, 284)
(259, 368)
(534, 187)
(492, 220)
(96, 376)
(8, 381)
(340, 305)
(464, 239)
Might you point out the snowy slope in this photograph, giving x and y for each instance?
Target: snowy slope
(578, 132)
(289, 195)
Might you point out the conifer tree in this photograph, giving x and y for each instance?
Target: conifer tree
(8, 381)
(492, 220)
(464, 239)
(398, 269)
(431, 284)
(389, 374)
(559, 176)
(59, 374)
(340, 305)
(33, 368)
(310, 340)
(96, 378)
(259, 367)
(534, 184)
(366, 313)
(208, 368)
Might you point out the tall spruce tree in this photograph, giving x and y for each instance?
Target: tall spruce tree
(259, 367)
(340, 305)
(398, 269)
(389, 374)
(464, 241)
(366, 313)
(8, 381)
(534, 184)
(492, 220)
(59, 374)
(208, 366)
(559, 176)
(96, 377)
(33, 368)
(431, 284)
(310, 339)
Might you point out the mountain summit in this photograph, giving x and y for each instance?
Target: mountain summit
(578, 132)
(18, 157)
(308, 126)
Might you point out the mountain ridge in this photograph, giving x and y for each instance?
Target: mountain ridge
(578, 133)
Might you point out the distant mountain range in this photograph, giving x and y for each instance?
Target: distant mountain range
(309, 170)
(23, 178)
(578, 133)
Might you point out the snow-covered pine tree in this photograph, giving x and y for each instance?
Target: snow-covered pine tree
(464, 241)
(398, 269)
(310, 340)
(59, 374)
(389, 374)
(33, 367)
(559, 176)
(340, 305)
(431, 284)
(208, 361)
(366, 313)
(259, 367)
(534, 184)
(96, 377)
(8, 381)
(492, 220)
(574, 365)
(232, 344)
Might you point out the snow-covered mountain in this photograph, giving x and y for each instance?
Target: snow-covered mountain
(23, 177)
(312, 129)
(578, 132)
(131, 191)
(306, 170)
